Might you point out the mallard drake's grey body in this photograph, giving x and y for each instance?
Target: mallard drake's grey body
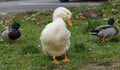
(105, 31)
(11, 33)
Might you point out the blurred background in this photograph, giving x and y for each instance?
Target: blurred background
(55, 0)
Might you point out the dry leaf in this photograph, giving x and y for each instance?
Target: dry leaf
(105, 19)
(38, 23)
(33, 19)
(114, 11)
(93, 7)
(80, 17)
(27, 18)
(90, 49)
(1, 22)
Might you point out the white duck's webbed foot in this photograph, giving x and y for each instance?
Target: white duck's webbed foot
(65, 58)
(55, 61)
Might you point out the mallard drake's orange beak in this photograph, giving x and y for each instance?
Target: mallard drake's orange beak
(69, 22)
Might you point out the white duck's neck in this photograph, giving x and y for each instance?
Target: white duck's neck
(59, 21)
(55, 18)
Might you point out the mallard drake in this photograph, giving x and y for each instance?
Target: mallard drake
(55, 37)
(11, 33)
(91, 14)
(105, 31)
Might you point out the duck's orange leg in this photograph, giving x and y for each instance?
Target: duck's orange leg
(55, 60)
(65, 58)
(103, 39)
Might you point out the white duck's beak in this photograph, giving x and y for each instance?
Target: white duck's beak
(69, 22)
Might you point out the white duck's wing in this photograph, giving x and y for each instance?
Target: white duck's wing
(48, 31)
(47, 38)
(54, 30)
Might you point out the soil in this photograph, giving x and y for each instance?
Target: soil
(114, 65)
(94, 66)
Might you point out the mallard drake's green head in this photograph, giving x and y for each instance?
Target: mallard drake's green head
(16, 25)
(111, 21)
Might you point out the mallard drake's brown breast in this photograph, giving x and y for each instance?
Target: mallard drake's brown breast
(14, 34)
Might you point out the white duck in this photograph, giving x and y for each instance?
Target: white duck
(55, 38)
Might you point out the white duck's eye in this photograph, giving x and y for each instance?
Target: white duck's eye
(67, 13)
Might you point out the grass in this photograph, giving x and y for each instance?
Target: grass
(26, 53)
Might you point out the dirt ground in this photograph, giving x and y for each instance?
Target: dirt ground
(94, 66)
(113, 65)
